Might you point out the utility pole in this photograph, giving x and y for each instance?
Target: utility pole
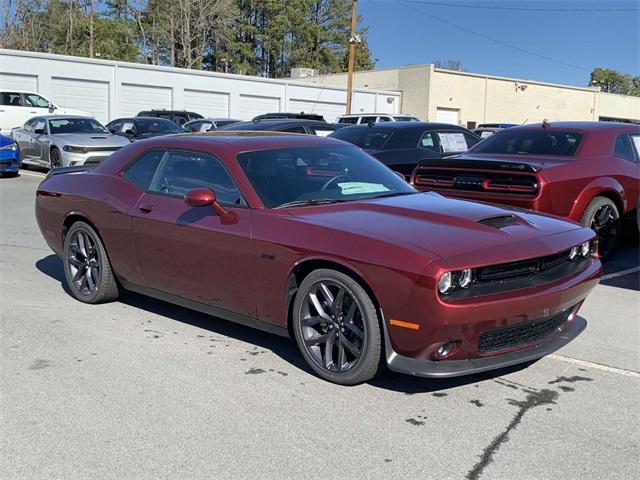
(353, 39)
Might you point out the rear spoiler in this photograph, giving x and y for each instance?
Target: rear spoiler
(63, 170)
(478, 164)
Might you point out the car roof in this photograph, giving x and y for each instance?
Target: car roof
(589, 126)
(58, 117)
(408, 125)
(17, 90)
(277, 122)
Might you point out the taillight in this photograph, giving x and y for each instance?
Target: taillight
(516, 185)
(431, 181)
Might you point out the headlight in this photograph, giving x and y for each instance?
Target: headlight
(585, 249)
(464, 277)
(445, 283)
(573, 253)
(12, 147)
(72, 149)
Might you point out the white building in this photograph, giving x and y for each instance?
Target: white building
(111, 89)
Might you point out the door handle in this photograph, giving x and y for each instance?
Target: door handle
(146, 208)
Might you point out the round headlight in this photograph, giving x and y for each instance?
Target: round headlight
(573, 253)
(465, 277)
(445, 283)
(585, 248)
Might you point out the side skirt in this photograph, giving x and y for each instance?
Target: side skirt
(208, 309)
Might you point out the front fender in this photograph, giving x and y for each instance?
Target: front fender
(595, 188)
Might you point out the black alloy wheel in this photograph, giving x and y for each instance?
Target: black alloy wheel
(86, 265)
(336, 328)
(603, 218)
(55, 159)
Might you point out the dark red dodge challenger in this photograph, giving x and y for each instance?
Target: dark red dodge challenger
(588, 172)
(311, 237)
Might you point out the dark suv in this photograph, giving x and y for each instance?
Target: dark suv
(180, 117)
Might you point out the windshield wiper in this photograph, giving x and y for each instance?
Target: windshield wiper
(303, 203)
(391, 194)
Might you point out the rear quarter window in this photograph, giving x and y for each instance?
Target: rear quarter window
(142, 170)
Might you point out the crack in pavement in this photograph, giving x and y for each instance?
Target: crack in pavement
(532, 400)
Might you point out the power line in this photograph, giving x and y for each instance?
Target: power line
(525, 9)
(491, 39)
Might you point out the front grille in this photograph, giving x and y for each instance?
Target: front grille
(101, 149)
(523, 334)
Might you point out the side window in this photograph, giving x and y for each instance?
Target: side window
(141, 171)
(348, 120)
(368, 119)
(321, 131)
(635, 140)
(30, 125)
(33, 100)
(11, 99)
(181, 118)
(193, 127)
(385, 119)
(206, 126)
(164, 115)
(471, 140)
(299, 129)
(623, 148)
(114, 127)
(428, 141)
(183, 171)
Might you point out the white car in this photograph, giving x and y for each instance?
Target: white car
(360, 118)
(18, 106)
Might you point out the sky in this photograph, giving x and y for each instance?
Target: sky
(404, 32)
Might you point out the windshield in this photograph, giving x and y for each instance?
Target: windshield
(155, 126)
(531, 142)
(307, 175)
(75, 125)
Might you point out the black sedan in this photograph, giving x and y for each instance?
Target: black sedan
(401, 145)
(138, 128)
(308, 127)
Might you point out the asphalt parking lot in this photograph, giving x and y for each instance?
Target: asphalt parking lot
(144, 389)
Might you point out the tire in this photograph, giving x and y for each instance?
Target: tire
(348, 327)
(84, 252)
(602, 216)
(55, 159)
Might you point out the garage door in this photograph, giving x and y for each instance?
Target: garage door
(252, 105)
(135, 98)
(209, 104)
(87, 95)
(327, 109)
(16, 81)
(447, 115)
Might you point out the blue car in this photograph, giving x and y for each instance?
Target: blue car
(9, 155)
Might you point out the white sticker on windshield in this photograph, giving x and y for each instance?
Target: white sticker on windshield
(205, 127)
(452, 142)
(126, 126)
(355, 188)
(636, 143)
(486, 133)
(323, 133)
(40, 126)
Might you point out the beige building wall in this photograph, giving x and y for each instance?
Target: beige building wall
(433, 94)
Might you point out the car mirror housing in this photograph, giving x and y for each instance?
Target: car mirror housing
(39, 131)
(201, 197)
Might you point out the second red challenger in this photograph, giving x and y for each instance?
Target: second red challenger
(310, 237)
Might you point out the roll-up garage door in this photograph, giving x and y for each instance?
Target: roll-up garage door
(16, 81)
(447, 115)
(209, 104)
(135, 98)
(252, 105)
(327, 109)
(87, 95)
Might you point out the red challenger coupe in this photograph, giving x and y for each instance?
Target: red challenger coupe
(311, 237)
(588, 172)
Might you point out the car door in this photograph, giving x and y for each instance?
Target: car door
(12, 111)
(35, 104)
(22, 137)
(191, 251)
(39, 144)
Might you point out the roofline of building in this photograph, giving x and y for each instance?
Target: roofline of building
(184, 71)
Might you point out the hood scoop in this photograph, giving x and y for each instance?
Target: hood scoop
(500, 221)
(99, 138)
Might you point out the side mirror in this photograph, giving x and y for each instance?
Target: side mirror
(201, 197)
(39, 131)
(112, 131)
(51, 107)
(129, 132)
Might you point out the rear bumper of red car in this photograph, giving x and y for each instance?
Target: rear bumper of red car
(457, 368)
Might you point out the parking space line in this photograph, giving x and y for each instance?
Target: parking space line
(621, 273)
(595, 366)
(33, 174)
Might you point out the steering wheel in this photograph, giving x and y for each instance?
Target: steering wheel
(333, 180)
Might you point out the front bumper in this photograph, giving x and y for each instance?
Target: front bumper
(9, 162)
(457, 368)
(71, 159)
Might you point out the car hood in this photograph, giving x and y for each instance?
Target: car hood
(73, 111)
(439, 225)
(531, 163)
(90, 139)
(5, 140)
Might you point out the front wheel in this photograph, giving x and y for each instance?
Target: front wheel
(55, 158)
(602, 216)
(86, 266)
(336, 328)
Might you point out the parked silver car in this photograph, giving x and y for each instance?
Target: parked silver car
(63, 141)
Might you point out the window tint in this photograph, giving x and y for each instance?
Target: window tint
(369, 119)
(364, 137)
(349, 120)
(471, 140)
(157, 126)
(10, 98)
(531, 142)
(114, 126)
(142, 170)
(428, 141)
(33, 100)
(623, 148)
(183, 171)
(385, 119)
(181, 118)
(298, 129)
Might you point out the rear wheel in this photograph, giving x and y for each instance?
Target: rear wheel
(86, 266)
(336, 328)
(602, 216)
(55, 159)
